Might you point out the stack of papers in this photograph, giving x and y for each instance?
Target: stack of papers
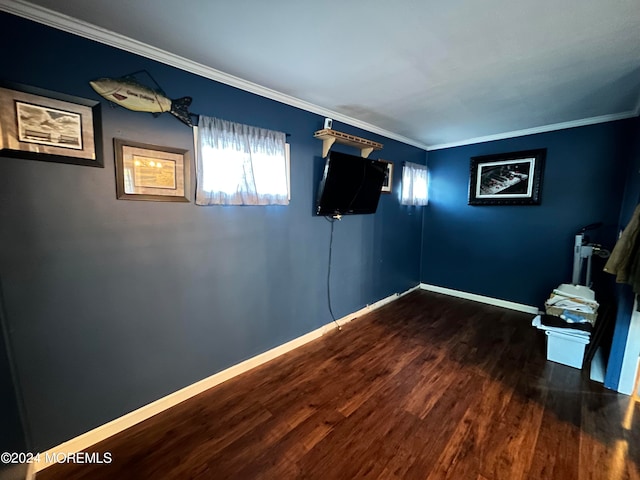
(573, 304)
(571, 313)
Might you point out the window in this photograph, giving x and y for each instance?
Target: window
(240, 165)
(415, 183)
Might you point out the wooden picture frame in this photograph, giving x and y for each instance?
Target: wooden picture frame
(38, 124)
(151, 172)
(507, 179)
(387, 185)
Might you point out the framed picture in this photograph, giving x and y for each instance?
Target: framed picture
(150, 172)
(37, 124)
(388, 176)
(507, 179)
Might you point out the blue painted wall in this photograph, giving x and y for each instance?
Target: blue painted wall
(113, 304)
(12, 437)
(624, 293)
(632, 185)
(520, 253)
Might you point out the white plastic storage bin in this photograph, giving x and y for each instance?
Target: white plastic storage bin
(566, 349)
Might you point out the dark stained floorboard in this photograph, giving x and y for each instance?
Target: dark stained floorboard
(427, 387)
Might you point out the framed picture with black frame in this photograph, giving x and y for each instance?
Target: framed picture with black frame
(513, 178)
(38, 124)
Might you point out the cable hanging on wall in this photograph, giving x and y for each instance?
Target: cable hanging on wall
(331, 220)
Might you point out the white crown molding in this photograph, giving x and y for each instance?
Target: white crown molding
(543, 129)
(83, 29)
(86, 30)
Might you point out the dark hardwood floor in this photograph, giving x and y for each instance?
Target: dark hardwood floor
(427, 387)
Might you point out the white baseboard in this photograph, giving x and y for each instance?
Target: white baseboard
(481, 298)
(84, 441)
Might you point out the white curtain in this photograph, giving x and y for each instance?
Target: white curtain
(239, 164)
(415, 182)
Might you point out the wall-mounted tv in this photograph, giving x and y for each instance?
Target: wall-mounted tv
(350, 185)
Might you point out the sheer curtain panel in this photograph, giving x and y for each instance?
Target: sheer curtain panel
(239, 164)
(415, 181)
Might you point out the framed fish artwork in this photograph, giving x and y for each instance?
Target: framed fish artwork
(37, 124)
(507, 178)
(129, 93)
(151, 172)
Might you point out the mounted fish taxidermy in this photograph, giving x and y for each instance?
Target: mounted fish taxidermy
(129, 93)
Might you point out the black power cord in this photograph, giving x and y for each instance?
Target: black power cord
(331, 221)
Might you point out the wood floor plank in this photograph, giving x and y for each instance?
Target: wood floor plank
(558, 443)
(510, 440)
(427, 387)
(439, 425)
(466, 447)
(609, 437)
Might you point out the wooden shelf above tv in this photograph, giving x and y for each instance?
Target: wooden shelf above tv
(329, 137)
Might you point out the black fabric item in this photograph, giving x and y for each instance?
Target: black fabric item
(553, 321)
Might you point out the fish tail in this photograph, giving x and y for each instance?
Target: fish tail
(180, 109)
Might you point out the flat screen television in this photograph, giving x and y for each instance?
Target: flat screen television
(350, 185)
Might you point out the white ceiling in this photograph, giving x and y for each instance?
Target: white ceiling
(436, 72)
